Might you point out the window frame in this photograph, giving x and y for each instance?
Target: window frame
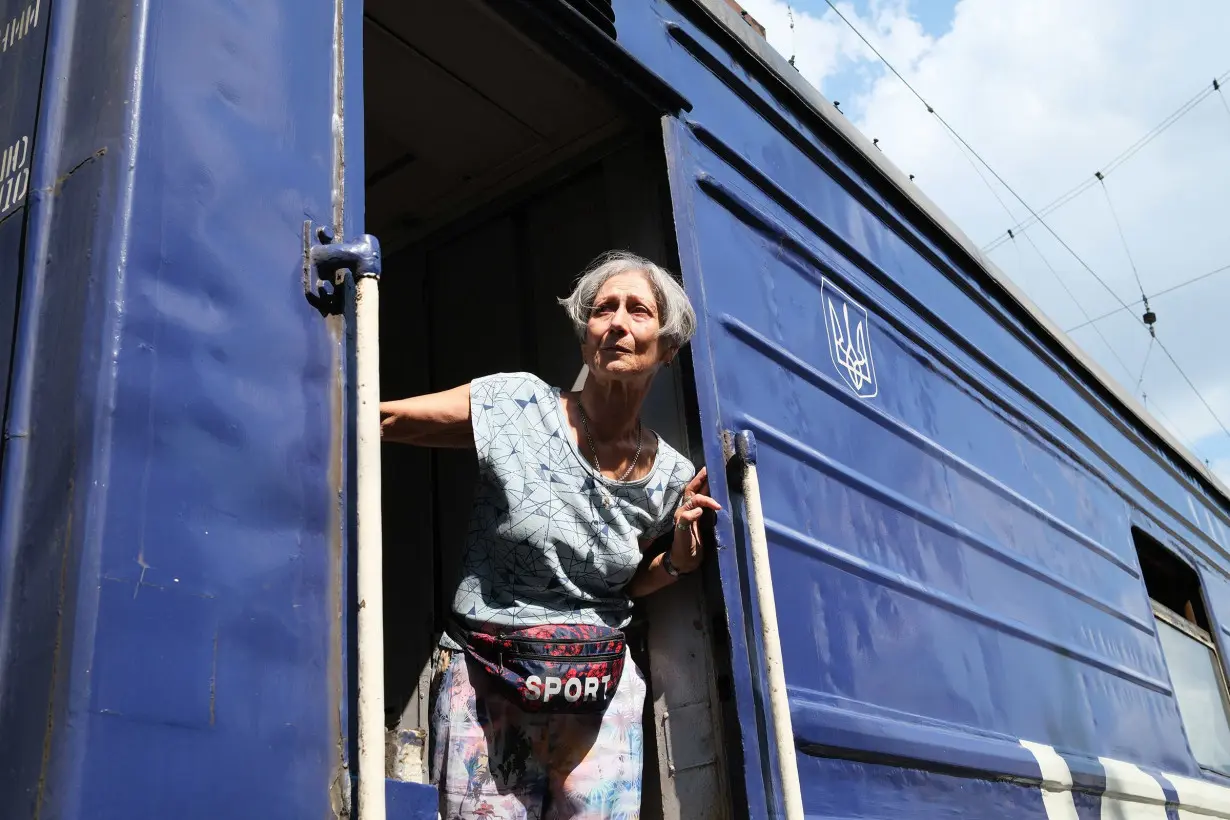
(1173, 619)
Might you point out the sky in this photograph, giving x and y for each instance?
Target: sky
(1048, 92)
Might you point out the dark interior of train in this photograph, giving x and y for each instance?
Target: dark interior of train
(494, 174)
(1170, 581)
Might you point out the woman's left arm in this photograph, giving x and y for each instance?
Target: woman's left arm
(686, 549)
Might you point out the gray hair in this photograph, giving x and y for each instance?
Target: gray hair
(675, 313)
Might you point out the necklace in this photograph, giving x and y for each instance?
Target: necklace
(639, 433)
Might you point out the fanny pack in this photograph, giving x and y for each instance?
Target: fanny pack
(553, 668)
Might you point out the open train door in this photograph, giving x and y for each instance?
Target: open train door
(778, 344)
(172, 521)
(23, 43)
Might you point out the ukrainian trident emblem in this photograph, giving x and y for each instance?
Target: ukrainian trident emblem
(849, 340)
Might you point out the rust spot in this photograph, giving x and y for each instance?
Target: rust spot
(213, 684)
(55, 657)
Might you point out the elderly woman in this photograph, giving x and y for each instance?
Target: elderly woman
(536, 704)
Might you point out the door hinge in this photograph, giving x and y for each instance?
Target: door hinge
(326, 262)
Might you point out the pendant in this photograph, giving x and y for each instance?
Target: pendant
(607, 500)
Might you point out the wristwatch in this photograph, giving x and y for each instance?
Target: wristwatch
(669, 565)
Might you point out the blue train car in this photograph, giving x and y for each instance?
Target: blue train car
(1002, 590)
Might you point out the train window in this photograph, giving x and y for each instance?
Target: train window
(1190, 651)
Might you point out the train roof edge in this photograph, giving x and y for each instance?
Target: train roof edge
(759, 47)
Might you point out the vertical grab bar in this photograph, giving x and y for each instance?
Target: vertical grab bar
(369, 571)
(362, 258)
(779, 703)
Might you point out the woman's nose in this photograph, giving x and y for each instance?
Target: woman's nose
(619, 319)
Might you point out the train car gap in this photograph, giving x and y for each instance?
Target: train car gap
(494, 175)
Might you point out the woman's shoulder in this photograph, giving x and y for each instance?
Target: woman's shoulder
(514, 386)
(507, 407)
(674, 465)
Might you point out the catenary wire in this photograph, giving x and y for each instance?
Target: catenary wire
(1113, 164)
(1200, 396)
(971, 149)
(1217, 84)
(1162, 292)
(1033, 213)
(1123, 238)
(1145, 364)
(1076, 302)
(981, 175)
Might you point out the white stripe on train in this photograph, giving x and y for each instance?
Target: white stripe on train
(1131, 793)
(1056, 782)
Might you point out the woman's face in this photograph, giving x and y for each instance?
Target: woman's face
(621, 336)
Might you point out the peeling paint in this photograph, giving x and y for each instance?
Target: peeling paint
(54, 188)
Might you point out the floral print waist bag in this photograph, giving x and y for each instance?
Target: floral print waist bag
(550, 668)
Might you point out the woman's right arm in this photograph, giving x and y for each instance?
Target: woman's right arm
(433, 420)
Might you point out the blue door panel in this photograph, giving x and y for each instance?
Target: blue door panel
(952, 549)
(763, 133)
(178, 519)
(894, 553)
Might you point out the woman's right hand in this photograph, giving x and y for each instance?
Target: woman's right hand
(687, 547)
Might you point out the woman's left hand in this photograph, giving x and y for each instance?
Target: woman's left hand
(686, 549)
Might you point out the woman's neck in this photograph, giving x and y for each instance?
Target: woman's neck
(613, 408)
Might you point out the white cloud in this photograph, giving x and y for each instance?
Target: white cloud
(1221, 466)
(1047, 91)
(825, 48)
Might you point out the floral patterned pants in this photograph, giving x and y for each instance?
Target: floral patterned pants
(491, 760)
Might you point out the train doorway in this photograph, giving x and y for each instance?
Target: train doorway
(494, 173)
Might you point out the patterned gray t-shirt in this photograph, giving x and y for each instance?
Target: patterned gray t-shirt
(550, 539)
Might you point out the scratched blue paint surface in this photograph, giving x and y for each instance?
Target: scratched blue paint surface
(10, 265)
(960, 566)
(23, 27)
(411, 801)
(860, 791)
(222, 429)
(953, 557)
(835, 788)
(177, 486)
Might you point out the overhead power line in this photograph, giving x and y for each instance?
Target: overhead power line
(1046, 262)
(1131, 305)
(1075, 301)
(1207, 406)
(1036, 217)
(931, 110)
(1217, 84)
(1123, 238)
(981, 175)
(1113, 164)
(1145, 364)
(1156, 409)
